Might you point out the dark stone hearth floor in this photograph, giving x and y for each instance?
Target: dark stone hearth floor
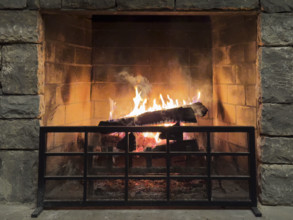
(22, 212)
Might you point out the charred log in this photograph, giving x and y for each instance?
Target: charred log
(187, 145)
(185, 113)
(122, 144)
(178, 136)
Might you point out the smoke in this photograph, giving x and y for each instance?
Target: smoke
(143, 85)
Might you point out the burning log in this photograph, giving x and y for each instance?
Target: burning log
(185, 113)
(178, 136)
(187, 145)
(122, 144)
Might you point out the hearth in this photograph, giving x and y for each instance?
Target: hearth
(147, 110)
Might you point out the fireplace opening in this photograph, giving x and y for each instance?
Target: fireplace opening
(96, 67)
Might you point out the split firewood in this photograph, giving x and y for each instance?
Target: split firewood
(186, 113)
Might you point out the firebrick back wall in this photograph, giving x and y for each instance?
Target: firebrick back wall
(173, 53)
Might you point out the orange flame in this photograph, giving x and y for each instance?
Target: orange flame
(151, 139)
(140, 104)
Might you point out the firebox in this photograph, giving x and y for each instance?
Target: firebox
(149, 110)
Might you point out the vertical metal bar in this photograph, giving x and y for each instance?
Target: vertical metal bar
(42, 167)
(209, 181)
(252, 168)
(41, 173)
(126, 166)
(109, 158)
(168, 167)
(149, 158)
(85, 157)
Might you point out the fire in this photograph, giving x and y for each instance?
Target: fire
(140, 104)
(112, 108)
(151, 139)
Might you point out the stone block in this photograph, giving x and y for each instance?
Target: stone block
(25, 25)
(33, 4)
(276, 184)
(50, 4)
(12, 4)
(145, 5)
(0, 71)
(19, 134)
(20, 106)
(276, 73)
(18, 176)
(216, 4)
(88, 4)
(21, 71)
(276, 119)
(276, 29)
(276, 150)
(276, 5)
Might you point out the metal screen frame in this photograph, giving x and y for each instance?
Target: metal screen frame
(251, 178)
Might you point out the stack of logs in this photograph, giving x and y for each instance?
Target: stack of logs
(187, 113)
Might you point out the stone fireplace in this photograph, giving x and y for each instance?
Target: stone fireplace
(60, 64)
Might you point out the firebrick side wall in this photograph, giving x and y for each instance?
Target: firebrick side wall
(68, 68)
(234, 80)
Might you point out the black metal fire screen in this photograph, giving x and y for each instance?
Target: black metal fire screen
(110, 177)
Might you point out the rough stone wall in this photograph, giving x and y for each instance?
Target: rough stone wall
(276, 102)
(20, 105)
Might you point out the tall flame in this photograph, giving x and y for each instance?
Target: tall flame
(151, 138)
(140, 103)
(112, 108)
